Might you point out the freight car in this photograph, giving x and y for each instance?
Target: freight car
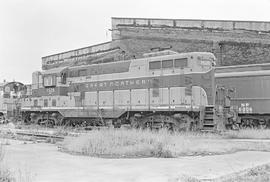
(162, 89)
(251, 85)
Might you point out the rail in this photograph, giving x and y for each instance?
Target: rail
(39, 135)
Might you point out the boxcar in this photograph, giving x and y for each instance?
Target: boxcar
(251, 92)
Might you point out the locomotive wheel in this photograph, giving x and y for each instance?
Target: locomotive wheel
(253, 123)
(84, 122)
(155, 122)
(267, 123)
(246, 123)
(26, 119)
(46, 122)
(262, 124)
(187, 123)
(116, 123)
(134, 122)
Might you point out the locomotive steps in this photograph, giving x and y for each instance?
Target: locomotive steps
(208, 122)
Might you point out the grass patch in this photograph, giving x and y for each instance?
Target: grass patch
(118, 143)
(258, 174)
(184, 178)
(248, 134)
(5, 175)
(145, 143)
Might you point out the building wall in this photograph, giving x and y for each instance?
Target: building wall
(261, 26)
(79, 56)
(233, 42)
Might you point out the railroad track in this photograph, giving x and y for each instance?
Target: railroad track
(40, 136)
(36, 135)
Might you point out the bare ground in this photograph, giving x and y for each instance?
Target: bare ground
(43, 162)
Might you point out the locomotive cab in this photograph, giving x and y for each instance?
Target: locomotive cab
(202, 62)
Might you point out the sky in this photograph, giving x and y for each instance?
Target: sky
(31, 29)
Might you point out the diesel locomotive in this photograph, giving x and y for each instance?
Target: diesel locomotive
(162, 89)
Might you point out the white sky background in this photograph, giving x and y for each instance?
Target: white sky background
(31, 29)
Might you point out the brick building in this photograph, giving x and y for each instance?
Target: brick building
(233, 42)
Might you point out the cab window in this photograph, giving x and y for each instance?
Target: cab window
(167, 63)
(181, 63)
(154, 65)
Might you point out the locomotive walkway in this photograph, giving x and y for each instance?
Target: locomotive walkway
(43, 162)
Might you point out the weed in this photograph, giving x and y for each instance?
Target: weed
(248, 134)
(5, 174)
(146, 143)
(261, 174)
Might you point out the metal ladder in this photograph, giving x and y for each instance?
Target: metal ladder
(208, 120)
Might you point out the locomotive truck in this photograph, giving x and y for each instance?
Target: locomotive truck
(163, 89)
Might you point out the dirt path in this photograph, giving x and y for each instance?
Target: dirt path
(45, 163)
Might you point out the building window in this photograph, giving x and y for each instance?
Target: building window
(49, 80)
(155, 65)
(181, 63)
(167, 63)
(63, 78)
